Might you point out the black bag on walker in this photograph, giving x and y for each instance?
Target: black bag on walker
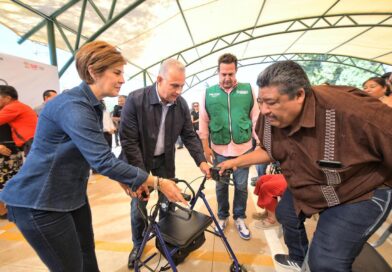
(182, 252)
(183, 230)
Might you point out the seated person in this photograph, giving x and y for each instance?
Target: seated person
(20, 117)
(268, 188)
(11, 159)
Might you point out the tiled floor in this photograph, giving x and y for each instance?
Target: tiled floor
(110, 208)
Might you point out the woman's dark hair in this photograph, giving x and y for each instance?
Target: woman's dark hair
(6, 90)
(380, 81)
(386, 75)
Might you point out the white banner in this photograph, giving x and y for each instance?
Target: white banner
(29, 78)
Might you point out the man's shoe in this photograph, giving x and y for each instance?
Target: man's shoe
(132, 257)
(285, 261)
(222, 223)
(242, 229)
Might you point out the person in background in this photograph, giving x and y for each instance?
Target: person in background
(47, 199)
(268, 188)
(20, 117)
(386, 76)
(228, 112)
(152, 119)
(260, 168)
(330, 169)
(116, 116)
(179, 143)
(108, 125)
(11, 159)
(378, 88)
(47, 95)
(195, 116)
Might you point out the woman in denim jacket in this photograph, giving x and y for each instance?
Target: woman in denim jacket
(47, 199)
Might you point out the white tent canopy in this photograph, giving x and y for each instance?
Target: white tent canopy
(197, 32)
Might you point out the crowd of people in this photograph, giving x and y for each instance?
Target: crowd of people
(319, 162)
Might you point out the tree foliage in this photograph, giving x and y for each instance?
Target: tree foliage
(353, 72)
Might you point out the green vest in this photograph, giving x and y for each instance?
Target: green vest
(230, 114)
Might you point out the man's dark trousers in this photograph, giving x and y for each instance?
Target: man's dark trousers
(341, 230)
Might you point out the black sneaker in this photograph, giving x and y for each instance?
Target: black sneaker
(132, 257)
(285, 261)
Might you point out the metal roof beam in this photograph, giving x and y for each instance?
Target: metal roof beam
(112, 7)
(80, 27)
(51, 43)
(216, 40)
(300, 36)
(102, 29)
(187, 26)
(46, 17)
(356, 36)
(299, 57)
(254, 26)
(64, 36)
(97, 11)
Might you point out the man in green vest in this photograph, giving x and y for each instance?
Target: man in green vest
(228, 113)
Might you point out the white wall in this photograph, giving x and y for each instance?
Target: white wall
(30, 78)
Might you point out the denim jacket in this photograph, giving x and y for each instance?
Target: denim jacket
(68, 140)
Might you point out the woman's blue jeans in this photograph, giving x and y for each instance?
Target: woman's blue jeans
(63, 240)
(340, 234)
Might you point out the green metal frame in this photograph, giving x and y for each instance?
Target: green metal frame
(217, 44)
(296, 25)
(194, 79)
(51, 20)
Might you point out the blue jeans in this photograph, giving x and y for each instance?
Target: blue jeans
(240, 192)
(63, 240)
(261, 168)
(179, 141)
(341, 230)
(137, 221)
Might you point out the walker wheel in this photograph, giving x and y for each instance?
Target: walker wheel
(241, 268)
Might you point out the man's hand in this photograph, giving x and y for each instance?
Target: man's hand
(205, 168)
(5, 151)
(229, 164)
(142, 188)
(171, 191)
(209, 155)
